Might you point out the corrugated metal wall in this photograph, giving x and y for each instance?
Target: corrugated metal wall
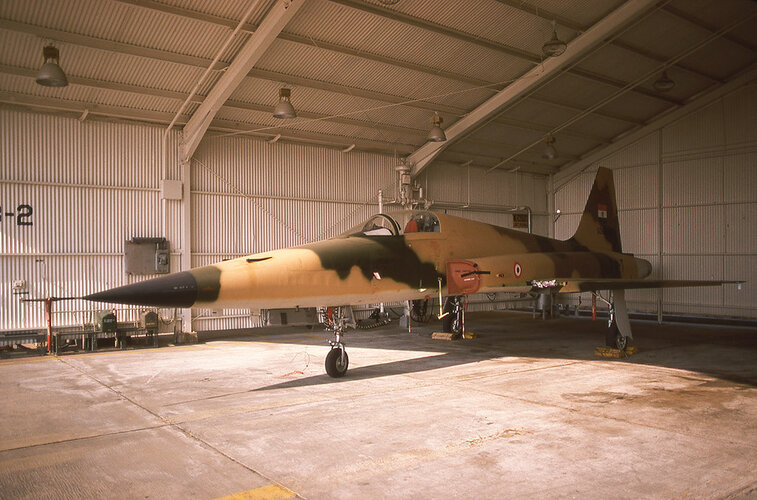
(92, 185)
(687, 197)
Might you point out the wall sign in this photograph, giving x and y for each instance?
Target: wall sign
(520, 221)
(22, 216)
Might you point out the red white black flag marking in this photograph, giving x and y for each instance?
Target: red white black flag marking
(602, 211)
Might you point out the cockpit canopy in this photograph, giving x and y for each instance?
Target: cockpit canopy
(385, 225)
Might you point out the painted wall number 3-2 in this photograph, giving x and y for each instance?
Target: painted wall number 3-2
(22, 215)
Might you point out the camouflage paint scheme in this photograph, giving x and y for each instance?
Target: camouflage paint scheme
(361, 268)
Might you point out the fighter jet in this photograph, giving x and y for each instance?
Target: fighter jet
(410, 255)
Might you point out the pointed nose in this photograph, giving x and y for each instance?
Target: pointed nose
(643, 268)
(175, 290)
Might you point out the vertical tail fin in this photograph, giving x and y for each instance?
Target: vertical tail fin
(599, 229)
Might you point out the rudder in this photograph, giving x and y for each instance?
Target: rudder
(599, 229)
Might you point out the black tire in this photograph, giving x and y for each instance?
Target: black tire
(334, 366)
(452, 322)
(611, 336)
(420, 312)
(621, 342)
(614, 338)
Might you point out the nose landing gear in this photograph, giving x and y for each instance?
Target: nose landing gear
(337, 320)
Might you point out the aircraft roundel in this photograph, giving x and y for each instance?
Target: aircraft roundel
(517, 270)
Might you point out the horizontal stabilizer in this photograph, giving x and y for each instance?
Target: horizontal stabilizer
(591, 285)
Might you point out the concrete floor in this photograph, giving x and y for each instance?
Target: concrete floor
(524, 410)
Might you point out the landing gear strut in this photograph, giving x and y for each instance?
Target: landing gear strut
(618, 327)
(613, 337)
(452, 322)
(337, 361)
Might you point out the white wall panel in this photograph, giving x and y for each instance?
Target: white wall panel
(572, 197)
(700, 130)
(708, 210)
(639, 231)
(693, 181)
(740, 176)
(693, 230)
(741, 299)
(566, 225)
(643, 152)
(92, 185)
(635, 187)
(741, 228)
(741, 110)
(451, 183)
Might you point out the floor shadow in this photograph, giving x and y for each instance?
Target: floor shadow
(728, 353)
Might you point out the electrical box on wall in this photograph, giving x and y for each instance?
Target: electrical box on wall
(171, 190)
(147, 256)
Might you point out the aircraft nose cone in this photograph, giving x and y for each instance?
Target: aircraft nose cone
(174, 290)
(643, 268)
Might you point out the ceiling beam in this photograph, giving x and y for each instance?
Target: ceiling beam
(552, 66)
(306, 82)
(278, 17)
(530, 57)
(305, 40)
(604, 114)
(163, 118)
(233, 104)
(161, 55)
(297, 81)
(102, 44)
(426, 25)
(198, 99)
(543, 129)
(572, 169)
(200, 62)
(706, 26)
(224, 126)
(579, 28)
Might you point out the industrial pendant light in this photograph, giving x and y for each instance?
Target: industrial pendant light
(554, 47)
(664, 83)
(284, 108)
(436, 134)
(50, 74)
(549, 153)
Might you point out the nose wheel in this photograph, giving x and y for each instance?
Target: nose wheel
(337, 361)
(337, 320)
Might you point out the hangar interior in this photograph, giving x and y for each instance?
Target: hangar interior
(162, 153)
(165, 131)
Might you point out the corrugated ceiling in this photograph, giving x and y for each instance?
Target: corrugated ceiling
(368, 74)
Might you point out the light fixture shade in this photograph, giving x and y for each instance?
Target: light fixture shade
(554, 47)
(50, 74)
(549, 152)
(664, 83)
(284, 108)
(436, 134)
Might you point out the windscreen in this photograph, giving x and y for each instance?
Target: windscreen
(378, 225)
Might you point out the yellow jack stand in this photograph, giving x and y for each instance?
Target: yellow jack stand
(443, 336)
(611, 352)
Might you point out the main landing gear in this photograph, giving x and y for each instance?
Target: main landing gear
(618, 326)
(613, 338)
(452, 318)
(337, 320)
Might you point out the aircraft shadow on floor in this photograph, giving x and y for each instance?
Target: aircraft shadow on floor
(720, 352)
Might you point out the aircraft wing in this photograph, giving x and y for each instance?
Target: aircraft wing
(590, 285)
